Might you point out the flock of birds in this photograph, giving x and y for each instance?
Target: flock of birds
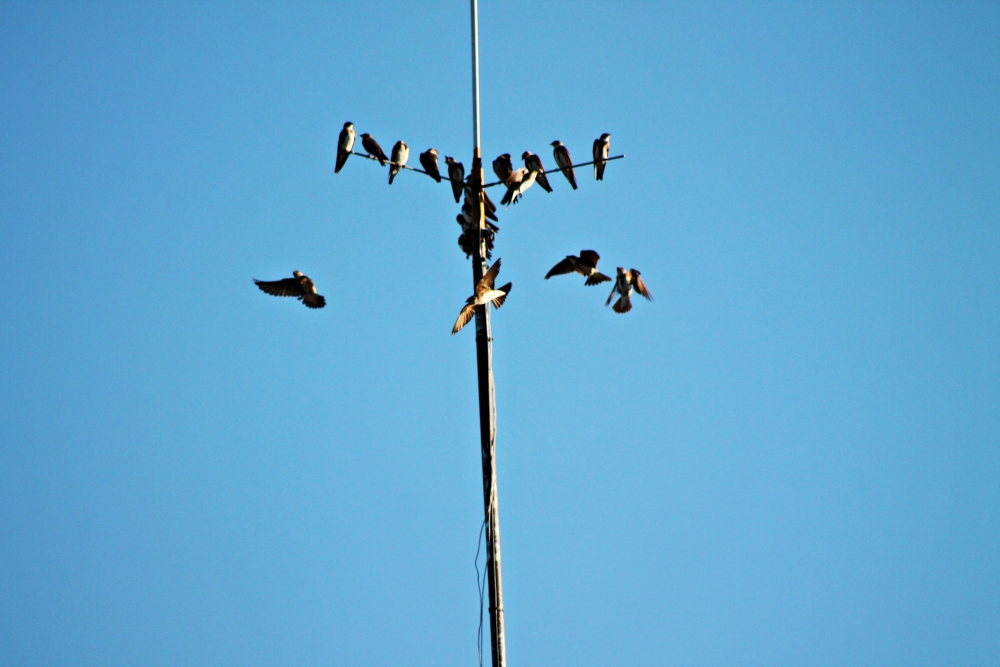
(517, 181)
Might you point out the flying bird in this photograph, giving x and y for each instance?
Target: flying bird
(429, 161)
(564, 162)
(344, 146)
(602, 147)
(300, 286)
(534, 163)
(624, 283)
(517, 184)
(373, 148)
(456, 173)
(503, 167)
(400, 154)
(585, 265)
(484, 294)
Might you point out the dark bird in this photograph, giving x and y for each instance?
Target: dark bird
(602, 147)
(585, 265)
(517, 184)
(503, 167)
(624, 283)
(344, 146)
(534, 163)
(456, 173)
(400, 154)
(484, 294)
(373, 148)
(491, 208)
(429, 161)
(300, 287)
(563, 161)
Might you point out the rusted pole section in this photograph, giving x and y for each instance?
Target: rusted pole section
(484, 366)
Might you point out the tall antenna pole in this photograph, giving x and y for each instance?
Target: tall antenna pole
(484, 365)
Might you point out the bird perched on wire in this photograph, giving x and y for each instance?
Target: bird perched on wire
(429, 161)
(299, 286)
(484, 294)
(344, 146)
(624, 283)
(456, 173)
(564, 161)
(400, 154)
(503, 167)
(585, 265)
(373, 148)
(534, 163)
(602, 148)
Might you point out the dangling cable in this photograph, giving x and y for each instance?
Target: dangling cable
(480, 584)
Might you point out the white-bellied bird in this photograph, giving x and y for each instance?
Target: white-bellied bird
(484, 294)
(585, 265)
(624, 283)
(344, 146)
(299, 286)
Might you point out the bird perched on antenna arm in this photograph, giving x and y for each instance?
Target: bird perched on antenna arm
(429, 161)
(373, 148)
(456, 174)
(585, 265)
(534, 163)
(624, 283)
(400, 154)
(602, 148)
(485, 293)
(299, 286)
(344, 146)
(564, 161)
(503, 167)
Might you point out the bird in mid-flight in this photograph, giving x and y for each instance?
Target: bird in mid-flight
(299, 286)
(429, 161)
(602, 147)
(534, 163)
(484, 295)
(456, 174)
(585, 265)
(624, 283)
(400, 154)
(519, 181)
(344, 146)
(373, 148)
(564, 162)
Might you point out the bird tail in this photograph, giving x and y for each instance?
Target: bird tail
(622, 305)
(614, 288)
(341, 161)
(497, 302)
(596, 279)
(392, 174)
(313, 300)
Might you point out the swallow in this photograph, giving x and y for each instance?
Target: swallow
(534, 163)
(513, 184)
(503, 167)
(602, 147)
(484, 295)
(624, 283)
(456, 174)
(429, 161)
(564, 162)
(344, 146)
(300, 286)
(585, 265)
(373, 148)
(491, 208)
(400, 154)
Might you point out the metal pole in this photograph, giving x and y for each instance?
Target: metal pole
(484, 366)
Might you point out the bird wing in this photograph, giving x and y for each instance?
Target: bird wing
(286, 287)
(497, 302)
(430, 165)
(590, 257)
(543, 181)
(614, 288)
(488, 278)
(639, 285)
(565, 266)
(463, 318)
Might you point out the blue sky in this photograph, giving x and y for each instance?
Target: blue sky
(789, 458)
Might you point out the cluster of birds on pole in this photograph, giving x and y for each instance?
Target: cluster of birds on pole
(516, 181)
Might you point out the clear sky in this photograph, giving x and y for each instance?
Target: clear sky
(791, 457)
